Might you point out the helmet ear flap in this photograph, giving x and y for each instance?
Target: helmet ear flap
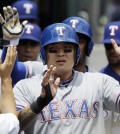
(77, 55)
(89, 48)
(43, 56)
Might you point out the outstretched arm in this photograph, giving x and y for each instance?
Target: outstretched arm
(7, 98)
(12, 30)
(19, 69)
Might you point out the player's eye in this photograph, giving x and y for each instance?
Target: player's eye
(67, 49)
(52, 50)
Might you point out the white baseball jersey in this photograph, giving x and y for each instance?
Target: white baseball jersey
(33, 68)
(9, 124)
(77, 108)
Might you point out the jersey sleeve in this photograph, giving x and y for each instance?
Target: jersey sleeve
(9, 124)
(23, 95)
(26, 91)
(24, 70)
(34, 67)
(19, 69)
(111, 94)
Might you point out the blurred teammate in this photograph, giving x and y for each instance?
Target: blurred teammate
(29, 44)
(85, 34)
(112, 30)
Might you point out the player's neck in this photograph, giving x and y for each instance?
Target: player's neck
(116, 69)
(64, 76)
(80, 68)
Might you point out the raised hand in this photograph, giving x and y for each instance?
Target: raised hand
(49, 90)
(115, 46)
(12, 29)
(7, 66)
(50, 82)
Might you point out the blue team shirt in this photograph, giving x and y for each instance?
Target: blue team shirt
(109, 71)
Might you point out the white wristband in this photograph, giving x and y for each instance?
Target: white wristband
(14, 42)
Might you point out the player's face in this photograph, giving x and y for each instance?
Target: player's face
(28, 50)
(113, 58)
(83, 47)
(61, 55)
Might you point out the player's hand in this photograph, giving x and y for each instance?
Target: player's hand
(115, 46)
(12, 29)
(8, 64)
(48, 80)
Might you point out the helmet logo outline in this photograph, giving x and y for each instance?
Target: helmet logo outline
(28, 8)
(113, 28)
(60, 30)
(74, 23)
(29, 29)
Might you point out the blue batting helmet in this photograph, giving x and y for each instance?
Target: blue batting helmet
(27, 9)
(112, 31)
(31, 32)
(83, 27)
(58, 32)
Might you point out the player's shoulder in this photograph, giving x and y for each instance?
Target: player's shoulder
(101, 77)
(33, 80)
(93, 75)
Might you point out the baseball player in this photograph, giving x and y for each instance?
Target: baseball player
(73, 109)
(85, 34)
(112, 30)
(29, 43)
(9, 123)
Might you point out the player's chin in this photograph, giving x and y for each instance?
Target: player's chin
(114, 63)
(28, 58)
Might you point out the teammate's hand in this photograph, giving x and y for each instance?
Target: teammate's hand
(7, 66)
(115, 46)
(12, 29)
(48, 79)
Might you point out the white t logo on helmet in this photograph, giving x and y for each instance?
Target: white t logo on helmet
(29, 29)
(74, 23)
(60, 29)
(113, 28)
(28, 8)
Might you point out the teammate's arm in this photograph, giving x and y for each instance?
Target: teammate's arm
(12, 30)
(19, 70)
(8, 119)
(7, 97)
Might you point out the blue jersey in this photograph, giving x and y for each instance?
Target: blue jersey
(109, 71)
